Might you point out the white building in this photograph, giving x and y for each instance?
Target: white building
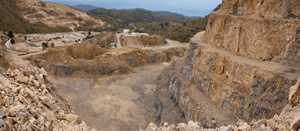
(126, 31)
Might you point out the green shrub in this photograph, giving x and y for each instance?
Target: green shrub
(88, 37)
(10, 34)
(25, 37)
(12, 41)
(52, 45)
(44, 45)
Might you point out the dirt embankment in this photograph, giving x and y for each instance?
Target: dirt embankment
(86, 58)
(142, 41)
(104, 39)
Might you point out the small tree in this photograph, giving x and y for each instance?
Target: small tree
(25, 37)
(12, 41)
(2, 37)
(90, 33)
(52, 45)
(10, 34)
(44, 45)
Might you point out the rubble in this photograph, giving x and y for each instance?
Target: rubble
(28, 101)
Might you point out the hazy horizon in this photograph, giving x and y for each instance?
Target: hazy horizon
(186, 7)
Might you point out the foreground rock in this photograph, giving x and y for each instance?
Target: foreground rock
(289, 119)
(30, 102)
(294, 96)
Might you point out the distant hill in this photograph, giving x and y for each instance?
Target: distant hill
(11, 20)
(177, 15)
(35, 16)
(177, 31)
(122, 18)
(85, 8)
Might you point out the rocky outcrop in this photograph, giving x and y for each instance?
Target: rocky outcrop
(142, 41)
(29, 101)
(294, 96)
(57, 15)
(289, 119)
(262, 8)
(262, 29)
(86, 58)
(242, 90)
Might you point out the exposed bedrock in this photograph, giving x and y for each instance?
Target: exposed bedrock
(257, 35)
(223, 86)
(263, 8)
(85, 58)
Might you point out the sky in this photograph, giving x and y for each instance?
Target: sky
(185, 7)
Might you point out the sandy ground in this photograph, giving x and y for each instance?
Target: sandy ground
(114, 103)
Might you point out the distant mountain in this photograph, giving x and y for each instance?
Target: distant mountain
(85, 8)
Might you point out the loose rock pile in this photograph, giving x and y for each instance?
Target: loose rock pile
(289, 119)
(28, 101)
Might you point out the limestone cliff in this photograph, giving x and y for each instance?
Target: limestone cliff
(242, 67)
(259, 29)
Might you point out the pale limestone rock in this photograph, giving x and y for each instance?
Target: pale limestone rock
(192, 126)
(71, 117)
(244, 127)
(23, 93)
(22, 99)
(8, 71)
(295, 125)
(36, 83)
(41, 120)
(151, 127)
(46, 100)
(6, 101)
(31, 78)
(166, 124)
(14, 109)
(16, 72)
(20, 79)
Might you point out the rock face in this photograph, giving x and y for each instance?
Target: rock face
(142, 41)
(25, 105)
(289, 119)
(86, 58)
(54, 15)
(259, 29)
(242, 67)
(294, 96)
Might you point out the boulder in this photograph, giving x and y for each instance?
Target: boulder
(294, 96)
(71, 117)
(295, 125)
